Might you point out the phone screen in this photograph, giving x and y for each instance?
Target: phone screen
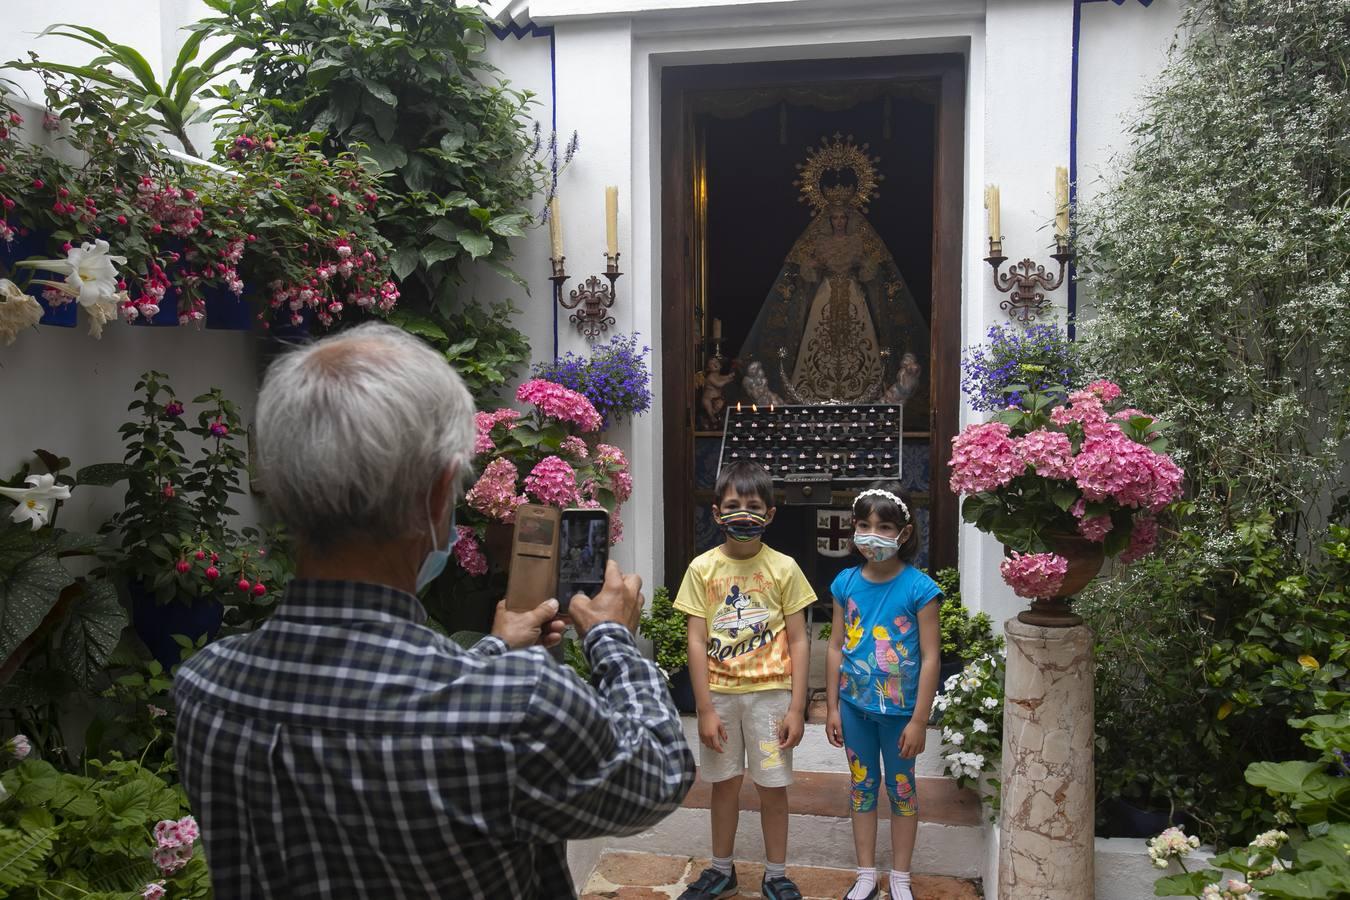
(583, 551)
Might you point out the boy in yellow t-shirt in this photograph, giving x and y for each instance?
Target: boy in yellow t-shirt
(748, 661)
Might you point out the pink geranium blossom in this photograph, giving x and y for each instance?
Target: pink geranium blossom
(494, 495)
(153, 891)
(171, 859)
(553, 481)
(558, 402)
(468, 553)
(1034, 575)
(1049, 452)
(984, 458)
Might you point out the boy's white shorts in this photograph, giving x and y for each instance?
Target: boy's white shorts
(751, 721)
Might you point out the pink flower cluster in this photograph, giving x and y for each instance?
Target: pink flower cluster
(1034, 575)
(153, 891)
(19, 747)
(484, 422)
(557, 402)
(339, 276)
(1110, 465)
(575, 447)
(468, 553)
(494, 495)
(1143, 538)
(610, 459)
(1050, 453)
(175, 840)
(1094, 528)
(553, 481)
(984, 457)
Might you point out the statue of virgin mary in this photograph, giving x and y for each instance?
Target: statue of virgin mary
(839, 325)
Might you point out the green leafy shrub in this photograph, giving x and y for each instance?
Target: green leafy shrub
(972, 724)
(665, 627)
(965, 636)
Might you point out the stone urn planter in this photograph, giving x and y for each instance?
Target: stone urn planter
(1085, 560)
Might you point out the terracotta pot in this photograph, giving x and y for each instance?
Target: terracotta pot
(1085, 560)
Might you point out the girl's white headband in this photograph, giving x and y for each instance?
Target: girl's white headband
(878, 492)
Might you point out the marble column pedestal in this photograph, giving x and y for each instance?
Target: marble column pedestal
(1046, 819)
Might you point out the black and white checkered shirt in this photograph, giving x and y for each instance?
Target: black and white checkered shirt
(346, 750)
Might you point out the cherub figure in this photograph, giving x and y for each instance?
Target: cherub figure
(717, 374)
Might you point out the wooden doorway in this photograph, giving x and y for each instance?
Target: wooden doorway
(685, 325)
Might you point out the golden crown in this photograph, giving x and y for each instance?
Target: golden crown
(837, 155)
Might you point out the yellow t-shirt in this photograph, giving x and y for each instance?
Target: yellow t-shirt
(746, 603)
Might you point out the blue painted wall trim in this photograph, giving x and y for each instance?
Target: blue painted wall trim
(529, 29)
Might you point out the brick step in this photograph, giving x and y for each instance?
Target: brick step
(649, 876)
(827, 794)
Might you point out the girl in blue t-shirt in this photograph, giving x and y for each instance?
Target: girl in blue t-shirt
(881, 677)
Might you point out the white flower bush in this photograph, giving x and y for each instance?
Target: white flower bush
(972, 723)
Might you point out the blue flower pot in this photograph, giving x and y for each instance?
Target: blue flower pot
(1124, 819)
(682, 691)
(157, 623)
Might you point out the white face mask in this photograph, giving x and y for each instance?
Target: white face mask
(437, 558)
(875, 547)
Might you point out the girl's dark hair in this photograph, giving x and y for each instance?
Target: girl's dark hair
(888, 510)
(747, 479)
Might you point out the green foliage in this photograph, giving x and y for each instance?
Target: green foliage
(1218, 266)
(665, 627)
(68, 835)
(1314, 864)
(965, 637)
(1236, 637)
(127, 79)
(487, 350)
(402, 83)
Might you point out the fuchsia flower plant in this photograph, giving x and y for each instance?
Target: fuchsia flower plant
(1053, 466)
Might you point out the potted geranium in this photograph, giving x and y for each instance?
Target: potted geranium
(1064, 480)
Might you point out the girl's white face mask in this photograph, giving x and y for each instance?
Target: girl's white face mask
(875, 547)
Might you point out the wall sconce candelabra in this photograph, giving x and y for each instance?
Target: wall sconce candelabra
(592, 299)
(1027, 282)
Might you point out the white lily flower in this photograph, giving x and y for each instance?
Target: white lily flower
(35, 501)
(17, 311)
(90, 275)
(100, 314)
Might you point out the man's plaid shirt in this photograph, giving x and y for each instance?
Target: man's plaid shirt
(346, 750)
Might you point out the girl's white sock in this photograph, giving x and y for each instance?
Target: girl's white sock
(867, 880)
(900, 886)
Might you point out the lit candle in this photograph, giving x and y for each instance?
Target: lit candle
(754, 408)
(1061, 201)
(738, 406)
(555, 227)
(717, 329)
(991, 204)
(612, 220)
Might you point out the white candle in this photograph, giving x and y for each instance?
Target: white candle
(1061, 201)
(991, 204)
(555, 227)
(612, 220)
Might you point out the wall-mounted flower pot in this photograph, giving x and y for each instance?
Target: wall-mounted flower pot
(157, 623)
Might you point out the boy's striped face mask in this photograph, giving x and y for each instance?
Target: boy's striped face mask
(743, 525)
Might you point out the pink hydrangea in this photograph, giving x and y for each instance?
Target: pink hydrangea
(1095, 528)
(554, 482)
(1049, 452)
(1143, 538)
(1034, 575)
(1167, 478)
(1114, 466)
(984, 458)
(1106, 391)
(1083, 407)
(615, 527)
(558, 402)
(468, 553)
(575, 448)
(484, 422)
(494, 495)
(609, 455)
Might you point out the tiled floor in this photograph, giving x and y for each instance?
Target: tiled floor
(648, 876)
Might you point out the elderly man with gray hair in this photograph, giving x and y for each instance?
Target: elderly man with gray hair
(344, 748)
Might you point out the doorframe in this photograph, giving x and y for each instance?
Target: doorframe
(678, 336)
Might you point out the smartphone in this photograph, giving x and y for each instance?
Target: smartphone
(533, 575)
(583, 552)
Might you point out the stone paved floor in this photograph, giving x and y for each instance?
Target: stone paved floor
(648, 876)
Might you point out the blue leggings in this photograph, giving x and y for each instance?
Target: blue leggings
(870, 738)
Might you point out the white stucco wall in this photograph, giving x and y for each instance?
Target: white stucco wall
(608, 59)
(60, 389)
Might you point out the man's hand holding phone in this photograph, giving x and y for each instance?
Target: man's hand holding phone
(525, 628)
(619, 600)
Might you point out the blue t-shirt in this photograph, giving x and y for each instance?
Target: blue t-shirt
(880, 670)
